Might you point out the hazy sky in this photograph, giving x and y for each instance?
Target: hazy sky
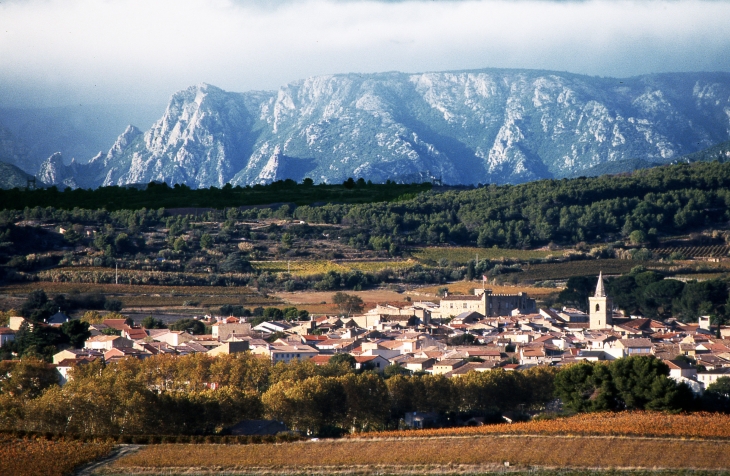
(59, 52)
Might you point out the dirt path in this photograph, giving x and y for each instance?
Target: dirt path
(116, 453)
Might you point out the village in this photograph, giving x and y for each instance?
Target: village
(463, 333)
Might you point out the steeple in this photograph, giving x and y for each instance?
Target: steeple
(600, 307)
(599, 287)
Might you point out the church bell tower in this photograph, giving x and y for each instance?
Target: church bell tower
(600, 307)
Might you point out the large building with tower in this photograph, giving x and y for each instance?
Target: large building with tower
(487, 304)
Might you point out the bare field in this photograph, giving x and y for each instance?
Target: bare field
(372, 296)
(426, 455)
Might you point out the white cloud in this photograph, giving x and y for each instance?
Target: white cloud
(61, 51)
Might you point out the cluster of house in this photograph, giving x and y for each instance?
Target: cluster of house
(463, 333)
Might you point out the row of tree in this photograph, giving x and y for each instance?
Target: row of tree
(652, 295)
(198, 394)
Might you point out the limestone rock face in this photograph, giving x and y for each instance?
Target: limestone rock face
(468, 127)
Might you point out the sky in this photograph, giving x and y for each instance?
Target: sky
(65, 52)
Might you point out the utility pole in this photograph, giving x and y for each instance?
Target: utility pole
(116, 272)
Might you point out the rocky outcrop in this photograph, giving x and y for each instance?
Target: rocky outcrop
(486, 126)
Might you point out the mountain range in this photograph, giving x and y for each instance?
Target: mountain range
(464, 127)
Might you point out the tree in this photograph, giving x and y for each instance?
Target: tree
(77, 332)
(150, 322)
(623, 293)
(637, 237)
(343, 358)
(716, 397)
(577, 290)
(206, 241)
(193, 326)
(92, 317)
(701, 298)
(348, 303)
(286, 240)
(113, 305)
(395, 369)
(235, 263)
(656, 299)
(180, 244)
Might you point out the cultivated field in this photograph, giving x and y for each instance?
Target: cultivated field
(34, 457)
(568, 269)
(463, 287)
(635, 440)
(428, 455)
(634, 424)
(465, 254)
(309, 268)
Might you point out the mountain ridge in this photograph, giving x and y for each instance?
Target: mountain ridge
(462, 127)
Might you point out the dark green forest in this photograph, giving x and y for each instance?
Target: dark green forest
(160, 195)
(666, 200)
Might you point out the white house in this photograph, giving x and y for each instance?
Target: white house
(6, 335)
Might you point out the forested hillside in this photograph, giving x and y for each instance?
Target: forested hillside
(663, 200)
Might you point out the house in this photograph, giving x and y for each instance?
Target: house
(286, 353)
(16, 322)
(75, 354)
(58, 319)
(710, 376)
(174, 338)
(117, 324)
(447, 365)
(679, 369)
(270, 327)
(6, 335)
(420, 420)
(64, 367)
(372, 362)
(221, 330)
(487, 304)
(105, 342)
(468, 317)
(417, 365)
(229, 348)
(631, 347)
(117, 354)
(134, 333)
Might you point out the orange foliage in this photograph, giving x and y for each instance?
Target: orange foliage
(692, 425)
(35, 456)
(427, 455)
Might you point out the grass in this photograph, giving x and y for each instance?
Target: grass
(464, 255)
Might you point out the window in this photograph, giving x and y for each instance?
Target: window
(598, 307)
(464, 305)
